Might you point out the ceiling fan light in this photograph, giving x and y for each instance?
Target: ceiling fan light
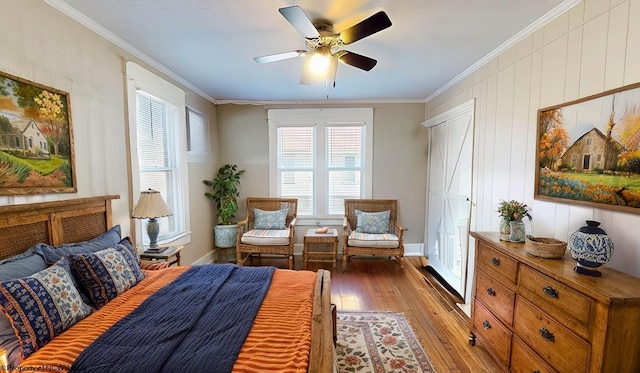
(319, 62)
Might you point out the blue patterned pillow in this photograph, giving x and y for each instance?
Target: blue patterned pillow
(270, 219)
(22, 265)
(372, 222)
(107, 273)
(42, 306)
(104, 241)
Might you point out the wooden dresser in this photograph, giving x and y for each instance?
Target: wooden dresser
(539, 315)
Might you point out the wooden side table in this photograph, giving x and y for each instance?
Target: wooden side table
(171, 252)
(315, 247)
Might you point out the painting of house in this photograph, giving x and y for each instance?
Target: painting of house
(591, 151)
(25, 139)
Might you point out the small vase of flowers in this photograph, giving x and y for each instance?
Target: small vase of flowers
(512, 212)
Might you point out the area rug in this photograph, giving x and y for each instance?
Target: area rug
(378, 342)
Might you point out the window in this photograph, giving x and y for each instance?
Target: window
(157, 130)
(589, 141)
(321, 157)
(197, 136)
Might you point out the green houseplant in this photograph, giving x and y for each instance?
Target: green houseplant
(224, 192)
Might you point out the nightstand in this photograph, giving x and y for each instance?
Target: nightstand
(320, 247)
(171, 255)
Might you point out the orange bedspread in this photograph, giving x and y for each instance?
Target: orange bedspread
(279, 340)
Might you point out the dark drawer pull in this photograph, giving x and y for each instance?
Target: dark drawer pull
(486, 324)
(547, 335)
(550, 292)
(491, 292)
(495, 261)
(536, 371)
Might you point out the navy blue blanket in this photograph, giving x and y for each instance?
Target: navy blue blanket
(197, 323)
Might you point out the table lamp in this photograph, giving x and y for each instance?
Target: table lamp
(151, 206)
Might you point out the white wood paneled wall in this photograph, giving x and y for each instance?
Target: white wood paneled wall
(591, 48)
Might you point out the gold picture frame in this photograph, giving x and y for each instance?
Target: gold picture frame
(588, 151)
(36, 139)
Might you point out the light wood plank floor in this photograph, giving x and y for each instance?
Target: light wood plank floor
(376, 284)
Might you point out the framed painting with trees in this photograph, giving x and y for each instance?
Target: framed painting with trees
(588, 151)
(36, 139)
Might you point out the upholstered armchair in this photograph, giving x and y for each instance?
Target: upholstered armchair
(267, 229)
(371, 228)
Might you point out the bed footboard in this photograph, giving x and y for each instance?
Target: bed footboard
(321, 359)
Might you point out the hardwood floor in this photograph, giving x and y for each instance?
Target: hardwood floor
(376, 284)
(442, 328)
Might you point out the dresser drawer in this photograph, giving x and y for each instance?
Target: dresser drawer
(557, 299)
(561, 348)
(495, 296)
(493, 261)
(492, 333)
(524, 360)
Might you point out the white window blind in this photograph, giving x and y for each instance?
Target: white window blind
(296, 159)
(197, 136)
(344, 154)
(321, 157)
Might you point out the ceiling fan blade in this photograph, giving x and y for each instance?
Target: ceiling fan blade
(356, 60)
(369, 26)
(295, 15)
(279, 56)
(328, 77)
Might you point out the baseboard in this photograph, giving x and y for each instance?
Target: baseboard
(206, 259)
(410, 249)
(413, 249)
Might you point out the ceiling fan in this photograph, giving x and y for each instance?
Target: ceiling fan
(325, 46)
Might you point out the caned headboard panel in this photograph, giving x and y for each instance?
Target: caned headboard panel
(55, 223)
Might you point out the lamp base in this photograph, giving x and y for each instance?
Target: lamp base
(153, 229)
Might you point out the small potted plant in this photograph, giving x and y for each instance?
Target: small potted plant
(511, 225)
(224, 192)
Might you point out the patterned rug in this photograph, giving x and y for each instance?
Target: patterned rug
(378, 342)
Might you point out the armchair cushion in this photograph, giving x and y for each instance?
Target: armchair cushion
(270, 219)
(372, 222)
(387, 240)
(266, 237)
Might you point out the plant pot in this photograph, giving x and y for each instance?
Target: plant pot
(225, 235)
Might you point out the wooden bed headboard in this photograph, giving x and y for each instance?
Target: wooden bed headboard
(55, 223)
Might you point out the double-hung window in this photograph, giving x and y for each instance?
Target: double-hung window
(321, 157)
(157, 135)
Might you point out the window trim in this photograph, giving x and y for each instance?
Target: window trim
(139, 78)
(320, 119)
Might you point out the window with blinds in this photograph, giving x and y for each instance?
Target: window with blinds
(344, 165)
(320, 157)
(157, 163)
(197, 136)
(158, 148)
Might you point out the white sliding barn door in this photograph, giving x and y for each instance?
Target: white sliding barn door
(449, 184)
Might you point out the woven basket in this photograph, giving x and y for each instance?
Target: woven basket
(545, 247)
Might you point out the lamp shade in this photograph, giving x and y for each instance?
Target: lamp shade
(151, 205)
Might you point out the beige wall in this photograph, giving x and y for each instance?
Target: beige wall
(589, 49)
(41, 44)
(399, 156)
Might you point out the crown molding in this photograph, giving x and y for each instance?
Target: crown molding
(321, 102)
(552, 14)
(79, 17)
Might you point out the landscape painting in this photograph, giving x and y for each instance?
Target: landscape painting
(588, 151)
(36, 142)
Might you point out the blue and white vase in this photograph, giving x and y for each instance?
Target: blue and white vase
(591, 247)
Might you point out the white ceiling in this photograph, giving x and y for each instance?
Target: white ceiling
(210, 44)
